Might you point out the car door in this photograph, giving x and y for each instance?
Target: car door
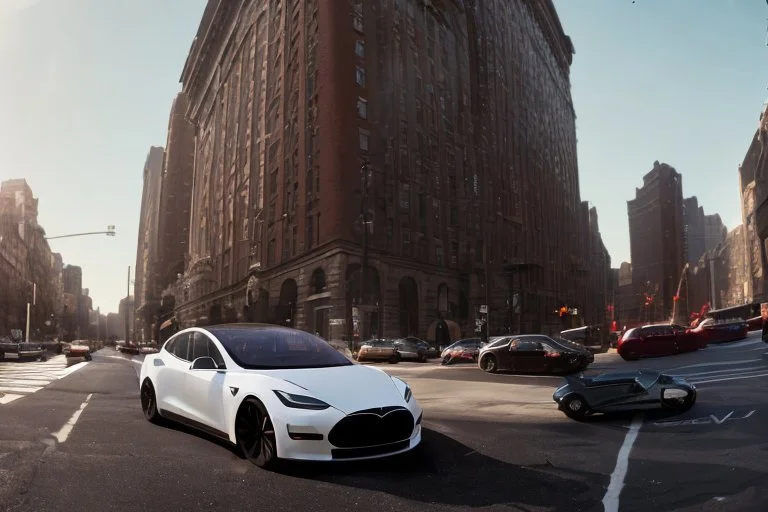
(204, 389)
(170, 378)
(527, 355)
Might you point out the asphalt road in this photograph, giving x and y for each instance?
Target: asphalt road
(494, 442)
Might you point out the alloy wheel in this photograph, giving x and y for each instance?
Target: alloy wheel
(255, 433)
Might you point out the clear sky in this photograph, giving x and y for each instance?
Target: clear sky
(86, 87)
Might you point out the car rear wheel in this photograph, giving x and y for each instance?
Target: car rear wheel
(489, 364)
(255, 433)
(575, 407)
(149, 402)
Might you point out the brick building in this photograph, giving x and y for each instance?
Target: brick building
(147, 286)
(175, 203)
(28, 263)
(656, 234)
(427, 144)
(753, 173)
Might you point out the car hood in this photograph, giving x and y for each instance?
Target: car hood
(347, 388)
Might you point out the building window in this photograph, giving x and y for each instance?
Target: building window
(360, 48)
(439, 254)
(405, 196)
(360, 76)
(362, 108)
(364, 135)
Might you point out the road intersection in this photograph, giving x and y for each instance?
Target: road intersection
(494, 441)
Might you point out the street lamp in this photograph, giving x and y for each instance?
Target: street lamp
(109, 232)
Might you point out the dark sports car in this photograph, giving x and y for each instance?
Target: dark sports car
(533, 353)
(624, 391)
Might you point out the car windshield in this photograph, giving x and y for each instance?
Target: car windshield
(647, 379)
(274, 348)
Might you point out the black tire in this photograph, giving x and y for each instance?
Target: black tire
(575, 407)
(394, 359)
(423, 358)
(446, 360)
(149, 402)
(255, 434)
(489, 364)
(44, 358)
(88, 357)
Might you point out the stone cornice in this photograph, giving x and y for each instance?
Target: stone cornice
(200, 71)
(549, 22)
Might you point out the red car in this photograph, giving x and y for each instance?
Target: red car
(656, 340)
(709, 331)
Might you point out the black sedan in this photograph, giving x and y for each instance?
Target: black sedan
(624, 391)
(534, 353)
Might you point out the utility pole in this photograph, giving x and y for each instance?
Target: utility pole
(127, 305)
(34, 302)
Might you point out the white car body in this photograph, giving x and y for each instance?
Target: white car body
(209, 399)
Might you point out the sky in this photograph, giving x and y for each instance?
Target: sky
(86, 88)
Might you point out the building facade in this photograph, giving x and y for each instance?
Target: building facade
(367, 167)
(694, 228)
(656, 234)
(28, 263)
(147, 287)
(175, 204)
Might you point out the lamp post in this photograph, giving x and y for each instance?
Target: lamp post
(34, 301)
(109, 232)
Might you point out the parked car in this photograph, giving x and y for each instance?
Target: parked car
(712, 331)
(534, 353)
(412, 349)
(378, 350)
(462, 351)
(656, 340)
(10, 349)
(78, 348)
(626, 391)
(431, 350)
(591, 337)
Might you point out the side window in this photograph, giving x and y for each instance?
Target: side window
(527, 346)
(204, 347)
(199, 345)
(169, 346)
(214, 353)
(181, 347)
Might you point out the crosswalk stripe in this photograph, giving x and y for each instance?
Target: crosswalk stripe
(19, 379)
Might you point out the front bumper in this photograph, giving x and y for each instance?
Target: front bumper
(305, 437)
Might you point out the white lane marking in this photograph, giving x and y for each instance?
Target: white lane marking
(730, 378)
(74, 368)
(63, 434)
(17, 389)
(612, 495)
(719, 363)
(734, 344)
(733, 371)
(8, 398)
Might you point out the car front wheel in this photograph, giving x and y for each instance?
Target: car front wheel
(489, 364)
(255, 434)
(575, 407)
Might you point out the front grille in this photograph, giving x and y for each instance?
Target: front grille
(372, 427)
(371, 451)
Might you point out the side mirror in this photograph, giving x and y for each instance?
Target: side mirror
(204, 363)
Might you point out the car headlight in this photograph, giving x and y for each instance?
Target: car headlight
(301, 401)
(407, 394)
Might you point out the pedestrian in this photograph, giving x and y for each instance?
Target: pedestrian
(764, 316)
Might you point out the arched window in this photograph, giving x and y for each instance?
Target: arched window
(317, 283)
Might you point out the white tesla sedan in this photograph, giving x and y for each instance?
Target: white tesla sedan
(278, 392)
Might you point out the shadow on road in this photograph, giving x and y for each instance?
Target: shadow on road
(446, 472)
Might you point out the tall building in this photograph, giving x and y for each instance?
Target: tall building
(656, 235)
(369, 166)
(715, 232)
(753, 182)
(695, 235)
(146, 287)
(127, 314)
(32, 268)
(175, 203)
(73, 279)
